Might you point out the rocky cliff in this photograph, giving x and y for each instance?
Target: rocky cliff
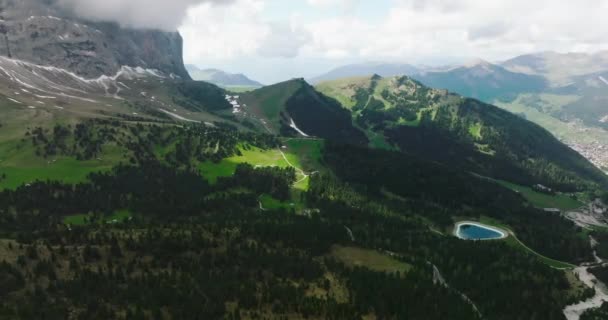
(40, 32)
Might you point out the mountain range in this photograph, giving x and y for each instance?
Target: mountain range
(356, 111)
(477, 78)
(221, 78)
(559, 68)
(367, 69)
(482, 80)
(128, 190)
(459, 131)
(561, 92)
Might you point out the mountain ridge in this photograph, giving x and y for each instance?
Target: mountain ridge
(363, 69)
(551, 64)
(295, 108)
(482, 80)
(450, 128)
(221, 78)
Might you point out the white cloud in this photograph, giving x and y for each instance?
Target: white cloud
(156, 14)
(414, 31)
(283, 40)
(223, 32)
(214, 33)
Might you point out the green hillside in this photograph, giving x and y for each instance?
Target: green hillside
(130, 192)
(168, 205)
(247, 219)
(202, 202)
(294, 108)
(467, 133)
(269, 102)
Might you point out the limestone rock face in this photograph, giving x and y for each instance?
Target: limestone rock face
(40, 32)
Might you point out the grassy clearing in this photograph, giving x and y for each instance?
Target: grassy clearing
(86, 219)
(409, 123)
(308, 152)
(266, 158)
(542, 200)
(371, 259)
(77, 219)
(378, 140)
(270, 203)
(253, 156)
(306, 155)
(22, 166)
(475, 131)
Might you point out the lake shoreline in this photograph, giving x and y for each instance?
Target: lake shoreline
(457, 228)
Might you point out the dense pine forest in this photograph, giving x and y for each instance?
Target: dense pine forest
(193, 247)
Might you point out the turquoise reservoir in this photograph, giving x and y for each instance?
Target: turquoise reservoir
(476, 231)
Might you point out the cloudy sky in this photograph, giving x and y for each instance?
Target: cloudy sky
(273, 40)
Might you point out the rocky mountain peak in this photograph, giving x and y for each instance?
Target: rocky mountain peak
(42, 33)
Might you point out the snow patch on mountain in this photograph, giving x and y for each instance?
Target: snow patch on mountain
(15, 101)
(177, 116)
(293, 125)
(48, 82)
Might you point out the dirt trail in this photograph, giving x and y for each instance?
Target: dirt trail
(304, 175)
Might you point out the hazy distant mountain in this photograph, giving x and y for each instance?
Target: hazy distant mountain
(592, 104)
(367, 69)
(221, 78)
(482, 80)
(559, 68)
(478, 79)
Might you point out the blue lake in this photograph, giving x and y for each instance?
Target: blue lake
(477, 232)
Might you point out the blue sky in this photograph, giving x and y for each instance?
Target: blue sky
(273, 40)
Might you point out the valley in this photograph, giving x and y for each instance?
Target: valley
(544, 109)
(135, 187)
(223, 172)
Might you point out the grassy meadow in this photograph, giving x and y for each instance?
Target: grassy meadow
(372, 259)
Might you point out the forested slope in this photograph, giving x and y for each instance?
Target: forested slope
(192, 248)
(462, 132)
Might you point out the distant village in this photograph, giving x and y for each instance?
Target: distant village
(596, 152)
